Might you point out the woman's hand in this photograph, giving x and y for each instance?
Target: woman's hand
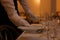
(32, 18)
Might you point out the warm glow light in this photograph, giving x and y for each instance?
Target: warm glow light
(37, 1)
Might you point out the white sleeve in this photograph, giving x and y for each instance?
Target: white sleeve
(9, 6)
(12, 13)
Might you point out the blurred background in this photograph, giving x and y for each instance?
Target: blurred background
(42, 8)
(45, 9)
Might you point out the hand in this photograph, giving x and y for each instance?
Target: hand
(33, 18)
(25, 23)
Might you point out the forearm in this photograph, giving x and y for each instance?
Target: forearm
(28, 11)
(26, 7)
